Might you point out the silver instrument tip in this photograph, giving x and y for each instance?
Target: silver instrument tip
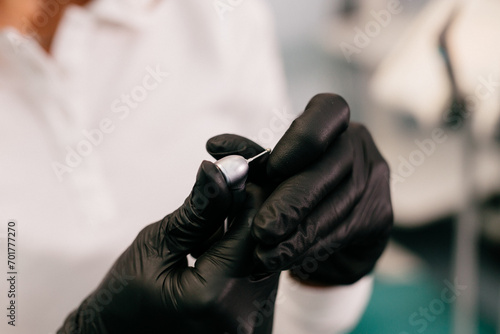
(267, 150)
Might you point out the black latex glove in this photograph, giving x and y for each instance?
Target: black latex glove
(328, 215)
(151, 289)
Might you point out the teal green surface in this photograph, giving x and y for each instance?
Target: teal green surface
(410, 308)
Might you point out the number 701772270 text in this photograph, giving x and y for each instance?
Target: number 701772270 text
(11, 273)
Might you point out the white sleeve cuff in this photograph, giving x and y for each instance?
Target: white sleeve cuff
(319, 310)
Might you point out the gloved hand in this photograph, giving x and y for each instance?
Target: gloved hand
(151, 289)
(328, 214)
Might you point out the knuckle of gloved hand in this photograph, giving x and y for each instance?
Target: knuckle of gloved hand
(360, 131)
(149, 238)
(261, 232)
(143, 234)
(387, 218)
(380, 168)
(384, 211)
(270, 261)
(269, 228)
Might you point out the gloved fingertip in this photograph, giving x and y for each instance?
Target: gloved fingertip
(261, 233)
(210, 196)
(209, 174)
(333, 102)
(217, 144)
(325, 118)
(228, 144)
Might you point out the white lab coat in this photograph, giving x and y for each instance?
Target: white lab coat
(106, 135)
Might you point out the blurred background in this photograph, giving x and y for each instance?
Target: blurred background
(424, 77)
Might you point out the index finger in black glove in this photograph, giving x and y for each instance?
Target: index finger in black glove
(325, 117)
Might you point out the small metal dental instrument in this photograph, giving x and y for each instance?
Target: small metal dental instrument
(235, 169)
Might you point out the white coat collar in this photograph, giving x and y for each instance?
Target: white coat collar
(130, 13)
